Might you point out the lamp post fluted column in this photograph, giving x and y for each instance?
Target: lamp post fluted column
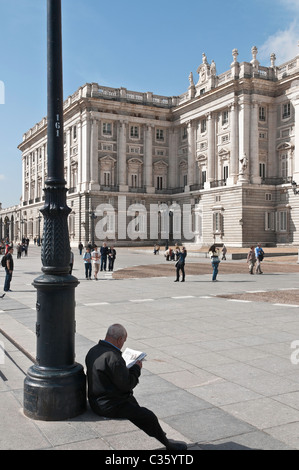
(55, 386)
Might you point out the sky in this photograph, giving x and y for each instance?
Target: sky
(142, 46)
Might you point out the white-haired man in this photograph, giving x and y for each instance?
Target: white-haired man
(111, 384)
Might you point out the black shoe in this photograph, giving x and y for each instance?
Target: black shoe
(183, 280)
(176, 445)
(176, 280)
(1, 296)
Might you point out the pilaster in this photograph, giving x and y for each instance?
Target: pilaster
(122, 156)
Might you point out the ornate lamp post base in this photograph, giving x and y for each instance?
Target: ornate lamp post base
(54, 394)
(55, 390)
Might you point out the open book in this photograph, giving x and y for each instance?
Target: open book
(131, 356)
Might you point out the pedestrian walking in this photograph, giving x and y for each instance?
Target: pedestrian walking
(8, 269)
(214, 255)
(251, 259)
(224, 251)
(95, 256)
(87, 263)
(259, 254)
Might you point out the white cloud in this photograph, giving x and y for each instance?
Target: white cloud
(284, 44)
(290, 4)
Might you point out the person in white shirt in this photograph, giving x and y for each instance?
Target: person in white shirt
(95, 256)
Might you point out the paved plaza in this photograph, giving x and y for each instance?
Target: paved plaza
(222, 370)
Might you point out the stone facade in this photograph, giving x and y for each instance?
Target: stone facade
(213, 164)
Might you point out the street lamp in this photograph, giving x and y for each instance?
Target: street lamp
(55, 387)
(92, 217)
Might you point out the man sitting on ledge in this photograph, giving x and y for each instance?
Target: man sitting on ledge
(111, 383)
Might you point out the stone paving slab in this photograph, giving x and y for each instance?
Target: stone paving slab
(218, 372)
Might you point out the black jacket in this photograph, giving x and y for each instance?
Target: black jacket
(110, 382)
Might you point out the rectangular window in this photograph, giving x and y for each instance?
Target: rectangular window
(134, 132)
(286, 110)
(203, 176)
(203, 125)
(262, 170)
(107, 128)
(217, 222)
(282, 221)
(224, 117)
(75, 132)
(134, 180)
(184, 133)
(107, 178)
(225, 172)
(160, 134)
(262, 113)
(269, 221)
(284, 166)
(159, 182)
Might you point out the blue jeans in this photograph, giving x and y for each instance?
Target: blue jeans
(7, 281)
(215, 265)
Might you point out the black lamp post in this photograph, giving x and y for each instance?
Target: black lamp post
(93, 218)
(55, 387)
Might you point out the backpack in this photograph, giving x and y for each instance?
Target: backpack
(3, 261)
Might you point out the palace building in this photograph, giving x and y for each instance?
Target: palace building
(218, 163)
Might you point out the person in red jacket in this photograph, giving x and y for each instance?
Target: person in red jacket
(111, 384)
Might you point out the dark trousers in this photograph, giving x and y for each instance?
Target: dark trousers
(143, 418)
(87, 270)
(111, 264)
(103, 262)
(8, 277)
(180, 267)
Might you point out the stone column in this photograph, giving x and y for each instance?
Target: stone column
(254, 145)
(172, 158)
(30, 195)
(85, 153)
(272, 167)
(293, 95)
(43, 168)
(68, 157)
(148, 159)
(122, 157)
(244, 147)
(191, 154)
(94, 155)
(35, 174)
(211, 150)
(234, 146)
(23, 176)
(79, 142)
